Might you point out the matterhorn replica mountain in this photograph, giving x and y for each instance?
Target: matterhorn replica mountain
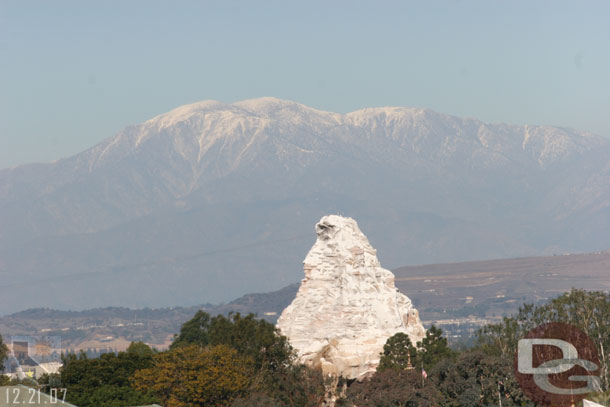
(347, 305)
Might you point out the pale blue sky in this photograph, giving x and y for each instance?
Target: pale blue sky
(74, 73)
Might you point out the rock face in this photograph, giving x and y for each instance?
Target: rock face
(347, 305)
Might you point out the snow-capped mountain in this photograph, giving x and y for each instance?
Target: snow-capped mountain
(212, 200)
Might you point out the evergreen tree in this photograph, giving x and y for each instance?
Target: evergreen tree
(432, 349)
(398, 353)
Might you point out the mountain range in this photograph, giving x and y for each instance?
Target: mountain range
(210, 200)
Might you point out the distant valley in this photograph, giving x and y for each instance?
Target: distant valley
(457, 297)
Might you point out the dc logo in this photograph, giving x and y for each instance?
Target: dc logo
(557, 364)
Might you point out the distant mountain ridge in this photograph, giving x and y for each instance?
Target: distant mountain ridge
(458, 297)
(211, 200)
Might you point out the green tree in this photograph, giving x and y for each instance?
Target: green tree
(191, 376)
(398, 351)
(3, 350)
(477, 379)
(586, 310)
(296, 386)
(433, 348)
(140, 348)
(104, 381)
(3, 355)
(393, 388)
(275, 376)
(251, 337)
(194, 331)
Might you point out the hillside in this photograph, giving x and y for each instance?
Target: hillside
(458, 297)
(210, 201)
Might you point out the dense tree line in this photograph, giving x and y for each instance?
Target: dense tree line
(589, 311)
(214, 361)
(241, 361)
(260, 353)
(104, 381)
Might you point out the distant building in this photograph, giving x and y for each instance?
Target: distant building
(21, 363)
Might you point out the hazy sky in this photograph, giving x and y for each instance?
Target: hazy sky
(74, 73)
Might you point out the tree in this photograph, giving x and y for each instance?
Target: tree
(296, 386)
(398, 351)
(275, 375)
(140, 348)
(3, 356)
(251, 337)
(586, 310)
(433, 348)
(104, 381)
(195, 376)
(3, 351)
(194, 331)
(476, 378)
(393, 388)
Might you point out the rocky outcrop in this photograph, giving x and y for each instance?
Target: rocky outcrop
(347, 305)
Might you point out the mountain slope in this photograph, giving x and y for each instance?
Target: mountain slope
(211, 200)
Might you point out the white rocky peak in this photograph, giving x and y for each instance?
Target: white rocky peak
(233, 128)
(183, 113)
(347, 305)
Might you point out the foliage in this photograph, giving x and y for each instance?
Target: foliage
(600, 398)
(393, 388)
(251, 337)
(587, 310)
(244, 362)
(398, 352)
(48, 381)
(195, 330)
(104, 381)
(276, 377)
(3, 355)
(141, 349)
(297, 386)
(432, 349)
(476, 378)
(196, 376)
(3, 351)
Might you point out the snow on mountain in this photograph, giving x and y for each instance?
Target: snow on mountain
(166, 200)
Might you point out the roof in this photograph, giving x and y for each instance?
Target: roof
(27, 396)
